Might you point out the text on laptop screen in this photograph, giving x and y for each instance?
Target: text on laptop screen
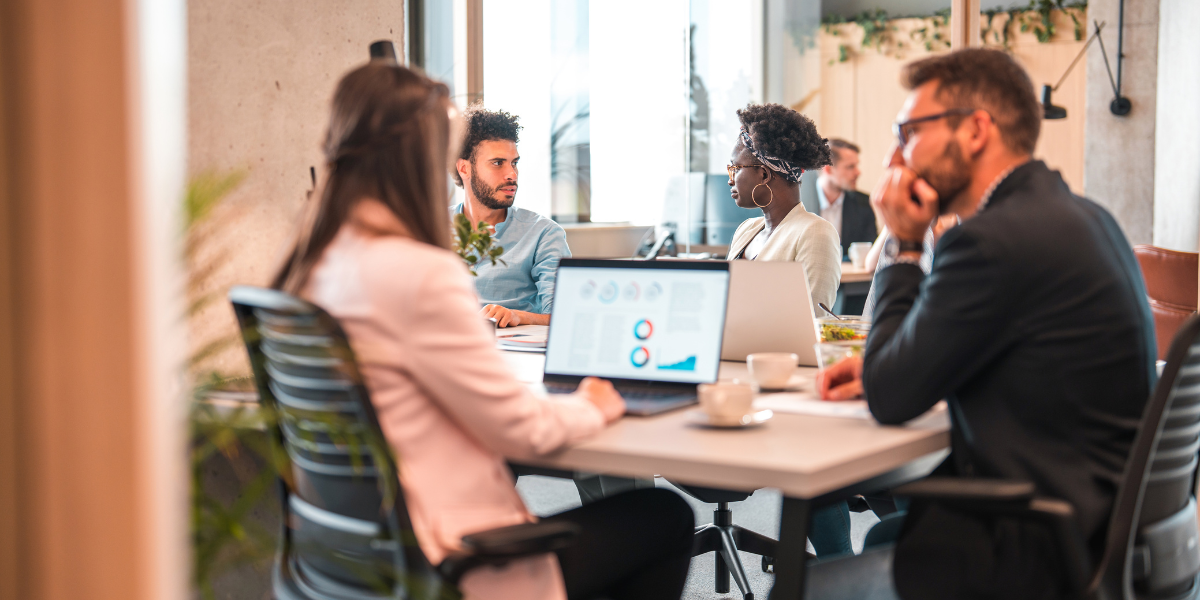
(658, 324)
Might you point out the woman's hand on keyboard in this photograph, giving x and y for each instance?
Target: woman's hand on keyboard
(601, 393)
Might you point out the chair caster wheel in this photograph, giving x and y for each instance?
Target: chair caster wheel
(768, 564)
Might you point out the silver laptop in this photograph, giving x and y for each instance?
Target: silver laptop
(653, 328)
(770, 310)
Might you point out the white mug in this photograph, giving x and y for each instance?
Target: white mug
(725, 402)
(772, 370)
(858, 253)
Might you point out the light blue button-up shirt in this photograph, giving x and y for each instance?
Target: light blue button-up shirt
(532, 246)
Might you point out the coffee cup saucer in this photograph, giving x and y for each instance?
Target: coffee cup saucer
(700, 418)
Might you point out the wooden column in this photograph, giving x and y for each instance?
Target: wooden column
(468, 50)
(475, 50)
(81, 508)
(964, 24)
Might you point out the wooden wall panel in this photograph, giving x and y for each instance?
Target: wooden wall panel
(861, 96)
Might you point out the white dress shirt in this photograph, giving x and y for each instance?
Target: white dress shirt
(831, 209)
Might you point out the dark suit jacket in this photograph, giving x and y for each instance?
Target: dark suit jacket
(1034, 326)
(858, 221)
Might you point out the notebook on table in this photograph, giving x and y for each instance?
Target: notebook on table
(653, 328)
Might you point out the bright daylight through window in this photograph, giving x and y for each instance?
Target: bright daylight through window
(624, 119)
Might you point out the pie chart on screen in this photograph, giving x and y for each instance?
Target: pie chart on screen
(643, 329)
(609, 292)
(639, 357)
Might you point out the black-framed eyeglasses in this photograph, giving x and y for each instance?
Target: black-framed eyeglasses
(732, 169)
(904, 130)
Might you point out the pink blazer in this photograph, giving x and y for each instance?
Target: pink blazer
(447, 401)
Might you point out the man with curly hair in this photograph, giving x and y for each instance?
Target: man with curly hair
(520, 290)
(774, 147)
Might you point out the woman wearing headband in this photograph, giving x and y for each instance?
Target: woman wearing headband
(775, 146)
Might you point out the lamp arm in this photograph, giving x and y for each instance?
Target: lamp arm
(1111, 81)
(1083, 51)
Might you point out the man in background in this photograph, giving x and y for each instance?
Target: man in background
(846, 208)
(520, 290)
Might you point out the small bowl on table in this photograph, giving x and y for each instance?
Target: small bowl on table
(847, 329)
(831, 353)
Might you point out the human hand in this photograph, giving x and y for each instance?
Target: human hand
(504, 317)
(842, 380)
(907, 203)
(602, 394)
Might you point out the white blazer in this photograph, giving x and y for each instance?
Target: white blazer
(800, 237)
(447, 402)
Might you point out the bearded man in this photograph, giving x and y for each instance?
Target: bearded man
(1033, 324)
(520, 290)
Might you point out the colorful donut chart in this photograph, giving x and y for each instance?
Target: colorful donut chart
(639, 357)
(643, 329)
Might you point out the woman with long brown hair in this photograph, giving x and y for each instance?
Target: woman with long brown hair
(372, 250)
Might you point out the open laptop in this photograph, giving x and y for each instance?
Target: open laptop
(770, 310)
(653, 328)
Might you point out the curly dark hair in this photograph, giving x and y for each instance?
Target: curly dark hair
(485, 125)
(780, 132)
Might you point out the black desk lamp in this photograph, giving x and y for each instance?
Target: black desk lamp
(1120, 105)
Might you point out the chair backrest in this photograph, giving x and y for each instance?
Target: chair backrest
(346, 529)
(1152, 549)
(1171, 279)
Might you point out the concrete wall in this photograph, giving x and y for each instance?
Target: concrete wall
(1177, 139)
(1119, 151)
(260, 76)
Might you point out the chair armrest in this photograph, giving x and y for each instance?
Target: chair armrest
(1016, 499)
(958, 489)
(522, 540)
(503, 544)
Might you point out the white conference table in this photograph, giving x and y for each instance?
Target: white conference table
(812, 460)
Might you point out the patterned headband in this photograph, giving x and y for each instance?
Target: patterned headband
(785, 169)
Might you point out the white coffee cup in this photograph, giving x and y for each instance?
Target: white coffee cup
(725, 402)
(772, 370)
(858, 253)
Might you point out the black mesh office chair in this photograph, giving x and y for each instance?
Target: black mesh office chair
(346, 532)
(1152, 551)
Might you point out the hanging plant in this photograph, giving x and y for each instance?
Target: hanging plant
(933, 34)
(1038, 19)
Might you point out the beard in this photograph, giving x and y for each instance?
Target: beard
(490, 196)
(949, 175)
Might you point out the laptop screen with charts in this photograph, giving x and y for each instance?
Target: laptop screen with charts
(640, 324)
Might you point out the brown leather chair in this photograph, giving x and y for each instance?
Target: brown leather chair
(1171, 284)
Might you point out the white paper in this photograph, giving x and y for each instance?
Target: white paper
(802, 403)
(807, 403)
(522, 336)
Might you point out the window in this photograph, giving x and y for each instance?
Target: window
(628, 108)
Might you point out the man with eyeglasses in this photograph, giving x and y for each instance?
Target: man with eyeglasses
(1033, 324)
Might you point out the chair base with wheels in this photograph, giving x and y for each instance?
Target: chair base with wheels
(725, 539)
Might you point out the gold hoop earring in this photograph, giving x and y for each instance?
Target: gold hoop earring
(755, 189)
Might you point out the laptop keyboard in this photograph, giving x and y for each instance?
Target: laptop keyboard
(627, 392)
